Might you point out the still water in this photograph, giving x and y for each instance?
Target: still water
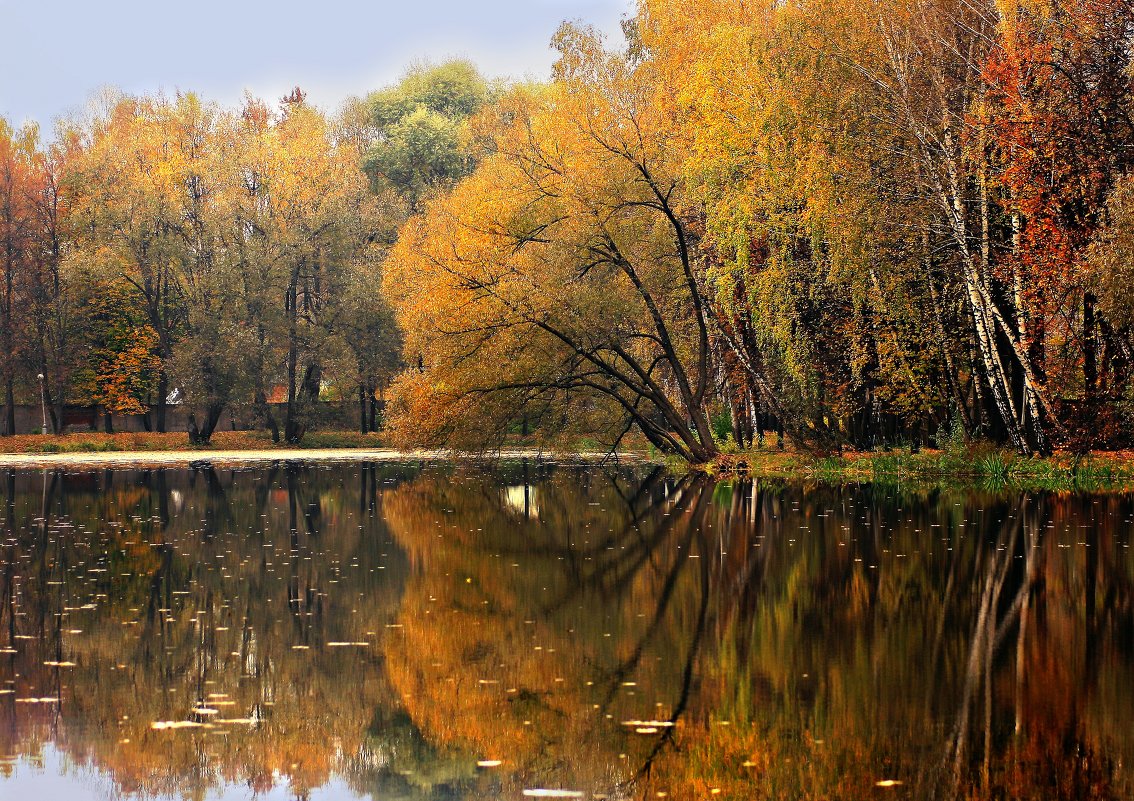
(441, 631)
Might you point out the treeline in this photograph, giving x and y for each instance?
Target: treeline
(169, 250)
(852, 222)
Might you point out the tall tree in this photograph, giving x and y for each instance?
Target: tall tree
(18, 176)
(418, 130)
(560, 274)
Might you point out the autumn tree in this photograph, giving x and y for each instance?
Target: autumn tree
(864, 177)
(559, 277)
(123, 363)
(1057, 126)
(54, 330)
(306, 225)
(125, 188)
(18, 167)
(238, 233)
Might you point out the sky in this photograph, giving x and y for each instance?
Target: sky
(57, 54)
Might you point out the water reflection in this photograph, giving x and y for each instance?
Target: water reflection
(453, 631)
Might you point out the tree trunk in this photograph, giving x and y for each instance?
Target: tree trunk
(209, 424)
(264, 412)
(10, 404)
(290, 422)
(1090, 349)
(162, 395)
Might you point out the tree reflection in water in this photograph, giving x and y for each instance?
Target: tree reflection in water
(617, 631)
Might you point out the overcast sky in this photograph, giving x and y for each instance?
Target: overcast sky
(55, 54)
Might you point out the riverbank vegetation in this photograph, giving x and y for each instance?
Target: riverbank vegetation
(982, 466)
(849, 229)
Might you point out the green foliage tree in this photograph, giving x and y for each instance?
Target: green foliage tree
(419, 129)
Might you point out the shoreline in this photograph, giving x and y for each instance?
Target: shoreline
(186, 458)
(980, 466)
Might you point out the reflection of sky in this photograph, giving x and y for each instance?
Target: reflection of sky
(56, 53)
(59, 780)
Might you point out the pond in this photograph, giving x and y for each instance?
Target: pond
(525, 630)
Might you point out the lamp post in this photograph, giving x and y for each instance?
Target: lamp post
(42, 403)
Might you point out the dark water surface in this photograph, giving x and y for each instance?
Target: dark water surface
(377, 630)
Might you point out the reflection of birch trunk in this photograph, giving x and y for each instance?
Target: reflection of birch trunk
(1031, 569)
(989, 634)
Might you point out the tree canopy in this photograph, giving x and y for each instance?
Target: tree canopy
(851, 229)
(860, 229)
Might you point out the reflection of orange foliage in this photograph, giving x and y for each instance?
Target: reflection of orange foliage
(464, 662)
(479, 662)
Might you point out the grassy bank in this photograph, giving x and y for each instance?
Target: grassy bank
(94, 442)
(979, 466)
